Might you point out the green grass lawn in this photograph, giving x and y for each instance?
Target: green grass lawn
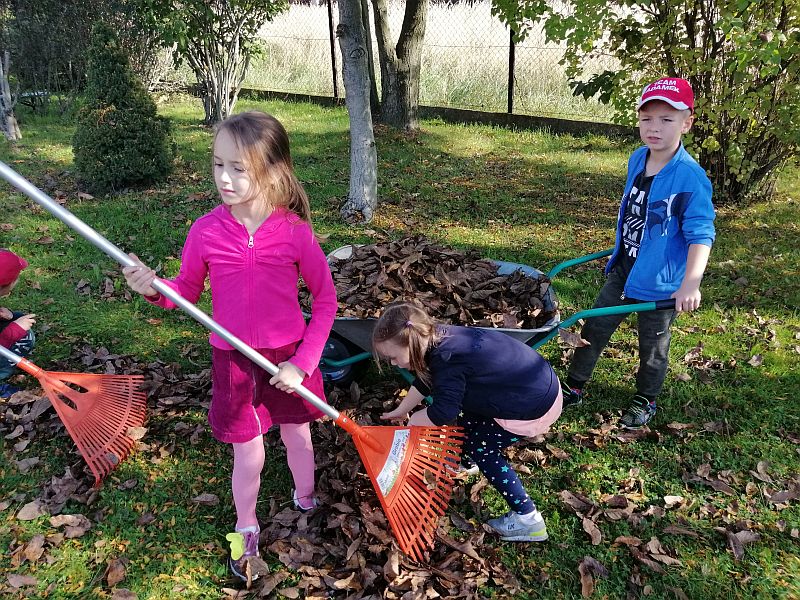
(725, 439)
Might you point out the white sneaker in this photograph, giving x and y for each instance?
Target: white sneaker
(314, 504)
(514, 527)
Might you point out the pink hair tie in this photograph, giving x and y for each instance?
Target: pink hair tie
(409, 323)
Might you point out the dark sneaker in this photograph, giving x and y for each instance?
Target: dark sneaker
(514, 527)
(244, 547)
(304, 504)
(7, 390)
(571, 396)
(639, 413)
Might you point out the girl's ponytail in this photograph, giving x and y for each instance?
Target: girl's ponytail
(408, 326)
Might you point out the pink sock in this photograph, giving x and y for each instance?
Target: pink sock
(248, 460)
(300, 456)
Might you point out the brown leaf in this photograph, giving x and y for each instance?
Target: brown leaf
(123, 594)
(18, 581)
(116, 571)
(34, 548)
(391, 568)
(32, 510)
(628, 540)
(756, 360)
(673, 501)
(591, 528)
(557, 452)
(587, 568)
(136, 433)
(579, 503)
(206, 499)
(571, 339)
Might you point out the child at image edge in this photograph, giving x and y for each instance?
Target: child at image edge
(665, 230)
(15, 327)
(252, 248)
(494, 386)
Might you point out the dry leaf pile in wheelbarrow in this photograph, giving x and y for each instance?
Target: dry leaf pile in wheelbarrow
(453, 285)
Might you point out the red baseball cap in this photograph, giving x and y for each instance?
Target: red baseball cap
(672, 90)
(10, 266)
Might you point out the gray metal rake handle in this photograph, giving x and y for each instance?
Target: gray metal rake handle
(10, 356)
(97, 240)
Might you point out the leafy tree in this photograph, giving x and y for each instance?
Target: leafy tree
(742, 58)
(49, 41)
(217, 38)
(400, 62)
(119, 140)
(362, 198)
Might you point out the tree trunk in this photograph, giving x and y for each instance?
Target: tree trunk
(8, 120)
(400, 63)
(362, 199)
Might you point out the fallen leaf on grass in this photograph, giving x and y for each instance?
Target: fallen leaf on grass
(136, 433)
(673, 501)
(588, 568)
(34, 548)
(737, 540)
(572, 339)
(18, 581)
(591, 528)
(206, 499)
(756, 360)
(76, 525)
(123, 594)
(32, 510)
(116, 571)
(676, 530)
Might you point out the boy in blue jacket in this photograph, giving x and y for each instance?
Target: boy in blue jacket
(665, 230)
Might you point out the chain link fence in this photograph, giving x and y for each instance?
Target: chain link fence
(466, 59)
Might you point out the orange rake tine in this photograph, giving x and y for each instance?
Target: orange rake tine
(97, 415)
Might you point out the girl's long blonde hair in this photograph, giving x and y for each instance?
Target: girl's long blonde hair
(264, 145)
(408, 326)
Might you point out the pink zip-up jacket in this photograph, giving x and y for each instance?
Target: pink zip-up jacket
(254, 282)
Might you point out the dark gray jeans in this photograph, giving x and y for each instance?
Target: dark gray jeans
(654, 338)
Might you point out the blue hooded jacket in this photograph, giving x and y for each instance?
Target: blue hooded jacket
(679, 213)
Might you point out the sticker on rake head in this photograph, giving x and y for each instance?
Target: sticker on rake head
(391, 470)
(112, 458)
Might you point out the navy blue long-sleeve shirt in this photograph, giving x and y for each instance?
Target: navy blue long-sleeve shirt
(486, 373)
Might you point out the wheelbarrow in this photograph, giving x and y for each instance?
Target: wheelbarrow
(350, 343)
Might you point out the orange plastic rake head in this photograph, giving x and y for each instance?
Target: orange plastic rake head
(411, 469)
(97, 411)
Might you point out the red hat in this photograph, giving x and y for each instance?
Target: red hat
(10, 266)
(675, 92)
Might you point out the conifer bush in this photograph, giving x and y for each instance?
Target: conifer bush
(120, 141)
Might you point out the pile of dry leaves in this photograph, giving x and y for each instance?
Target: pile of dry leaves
(454, 286)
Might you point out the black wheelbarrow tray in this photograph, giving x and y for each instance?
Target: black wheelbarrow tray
(351, 338)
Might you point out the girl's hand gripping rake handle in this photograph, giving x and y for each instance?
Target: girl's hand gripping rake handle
(114, 252)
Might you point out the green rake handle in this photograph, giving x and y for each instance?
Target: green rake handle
(97, 240)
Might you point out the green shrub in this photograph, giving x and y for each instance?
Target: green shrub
(120, 141)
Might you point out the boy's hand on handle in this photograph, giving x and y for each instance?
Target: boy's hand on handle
(288, 378)
(140, 277)
(26, 321)
(686, 300)
(5, 313)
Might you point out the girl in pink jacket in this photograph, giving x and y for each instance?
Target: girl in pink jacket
(252, 248)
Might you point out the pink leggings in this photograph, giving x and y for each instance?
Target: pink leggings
(248, 461)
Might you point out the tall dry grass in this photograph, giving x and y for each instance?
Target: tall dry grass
(464, 62)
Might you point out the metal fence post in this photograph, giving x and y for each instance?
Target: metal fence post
(511, 46)
(333, 49)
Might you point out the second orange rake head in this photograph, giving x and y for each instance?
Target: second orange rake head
(97, 411)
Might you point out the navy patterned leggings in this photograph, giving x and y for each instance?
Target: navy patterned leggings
(485, 443)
